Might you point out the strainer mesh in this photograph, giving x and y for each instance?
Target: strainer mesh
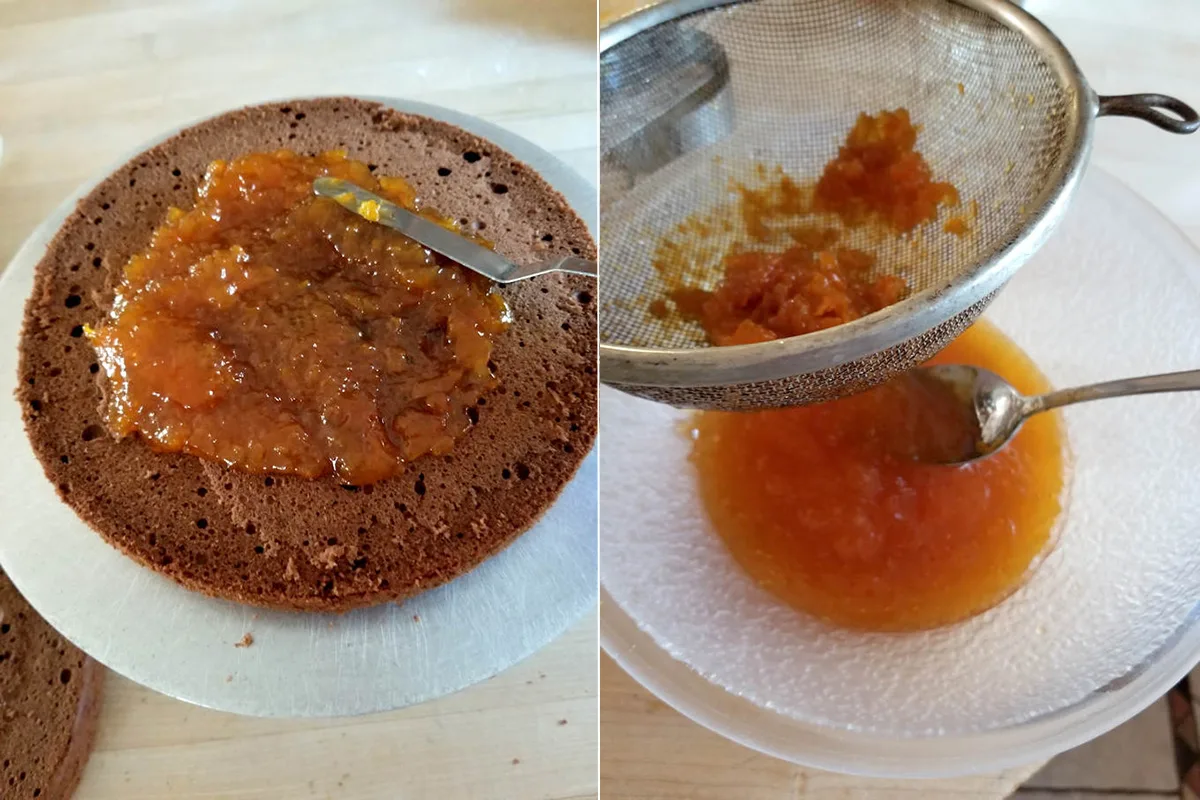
(691, 105)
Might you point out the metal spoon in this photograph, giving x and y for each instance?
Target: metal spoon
(1000, 410)
(488, 263)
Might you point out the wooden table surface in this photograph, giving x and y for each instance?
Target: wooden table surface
(84, 81)
(1123, 46)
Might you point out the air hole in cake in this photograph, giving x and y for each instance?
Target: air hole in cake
(250, 528)
(132, 182)
(575, 250)
(177, 186)
(471, 156)
(155, 476)
(522, 471)
(268, 481)
(566, 326)
(65, 459)
(5, 628)
(64, 677)
(288, 110)
(300, 115)
(97, 262)
(36, 405)
(64, 488)
(505, 473)
(153, 539)
(293, 124)
(90, 246)
(473, 415)
(202, 491)
(349, 488)
(259, 549)
(419, 487)
(443, 171)
(77, 331)
(176, 172)
(499, 188)
(584, 298)
(97, 220)
(547, 237)
(92, 432)
(358, 563)
(72, 300)
(568, 447)
(105, 206)
(75, 267)
(202, 523)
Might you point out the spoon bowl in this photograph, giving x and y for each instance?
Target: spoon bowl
(994, 411)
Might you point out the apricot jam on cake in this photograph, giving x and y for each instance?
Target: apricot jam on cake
(272, 331)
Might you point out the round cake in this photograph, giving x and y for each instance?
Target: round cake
(49, 703)
(283, 541)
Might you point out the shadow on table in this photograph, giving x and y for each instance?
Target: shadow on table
(570, 20)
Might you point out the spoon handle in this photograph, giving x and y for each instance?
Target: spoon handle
(1148, 384)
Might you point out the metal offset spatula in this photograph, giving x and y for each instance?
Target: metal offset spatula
(474, 257)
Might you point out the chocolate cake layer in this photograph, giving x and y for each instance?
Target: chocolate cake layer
(289, 542)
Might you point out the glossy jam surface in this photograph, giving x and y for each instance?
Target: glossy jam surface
(879, 175)
(274, 331)
(824, 506)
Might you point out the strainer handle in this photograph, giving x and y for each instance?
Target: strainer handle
(1150, 107)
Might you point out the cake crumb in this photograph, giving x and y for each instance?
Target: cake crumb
(562, 722)
(229, 679)
(246, 641)
(516, 761)
(416, 617)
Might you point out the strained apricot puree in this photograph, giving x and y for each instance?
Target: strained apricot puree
(824, 506)
(273, 331)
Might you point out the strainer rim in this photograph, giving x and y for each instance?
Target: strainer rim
(727, 366)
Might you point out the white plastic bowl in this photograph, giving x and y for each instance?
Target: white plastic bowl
(1106, 624)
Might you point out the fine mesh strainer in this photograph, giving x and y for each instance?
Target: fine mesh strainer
(696, 94)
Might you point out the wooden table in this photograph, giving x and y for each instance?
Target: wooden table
(650, 751)
(84, 81)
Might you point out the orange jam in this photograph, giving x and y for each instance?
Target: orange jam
(274, 331)
(878, 175)
(764, 296)
(809, 282)
(824, 506)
